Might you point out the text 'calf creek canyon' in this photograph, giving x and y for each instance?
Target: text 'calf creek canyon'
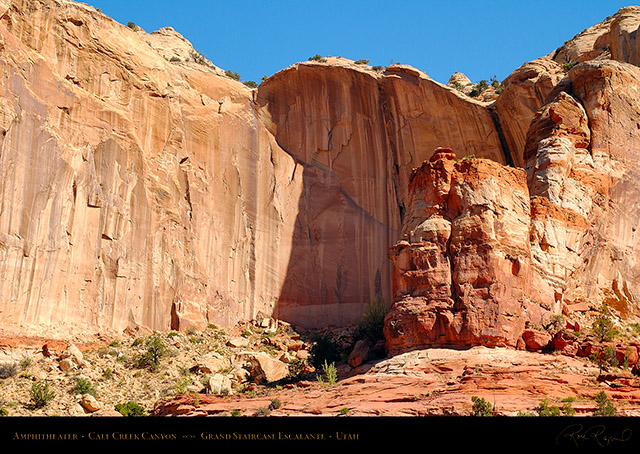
(146, 194)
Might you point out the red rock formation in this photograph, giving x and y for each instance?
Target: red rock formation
(578, 227)
(355, 134)
(142, 189)
(463, 273)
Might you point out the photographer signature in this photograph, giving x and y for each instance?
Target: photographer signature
(578, 434)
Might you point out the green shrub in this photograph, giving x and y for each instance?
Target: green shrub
(132, 25)
(545, 410)
(570, 64)
(481, 407)
(156, 350)
(40, 394)
(275, 404)
(262, 411)
(458, 86)
(555, 325)
(25, 363)
(198, 57)
(84, 386)
(232, 75)
(318, 57)
(137, 341)
(603, 327)
(479, 88)
(250, 83)
(371, 326)
(130, 409)
(324, 350)
(568, 410)
(499, 87)
(362, 61)
(605, 406)
(329, 373)
(4, 412)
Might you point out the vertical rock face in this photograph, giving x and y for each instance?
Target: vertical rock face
(577, 239)
(133, 190)
(463, 275)
(139, 185)
(526, 90)
(355, 135)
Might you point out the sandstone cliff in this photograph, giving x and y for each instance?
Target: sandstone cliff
(142, 187)
(577, 243)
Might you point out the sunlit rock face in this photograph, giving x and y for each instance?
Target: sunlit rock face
(355, 134)
(463, 272)
(142, 187)
(134, 190)
(568, 223)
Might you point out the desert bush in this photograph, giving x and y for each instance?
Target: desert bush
(317, 57)
(556, 324)
(198, 57)
(262, 411)
(329, 373)
(324, 350)
(8, 370)
(481, 407)
(232, 75)
(605, 406)
(458, 86)
(130, 408)
(545, 410)
(275, 404)
(603, 327)
(84, 386)
(570, 64)
(25, 362)
(40, 394)
(568, 410)
(362, 61)
(250, 83)
(372, 324)
(156, 350)
(479, 88)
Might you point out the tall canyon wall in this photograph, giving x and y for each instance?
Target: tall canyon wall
(141, 186)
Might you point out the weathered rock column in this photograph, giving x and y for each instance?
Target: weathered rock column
(462, 272)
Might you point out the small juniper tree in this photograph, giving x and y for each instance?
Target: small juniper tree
(481, 407)
(605, 406)
(603, 327)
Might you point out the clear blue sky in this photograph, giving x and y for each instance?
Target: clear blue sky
(479, 38)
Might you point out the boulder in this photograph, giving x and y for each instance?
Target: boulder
(219, 384)
(212, 362)
(536, 340)
(359, 354)
(265, 368)
(90, 404)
